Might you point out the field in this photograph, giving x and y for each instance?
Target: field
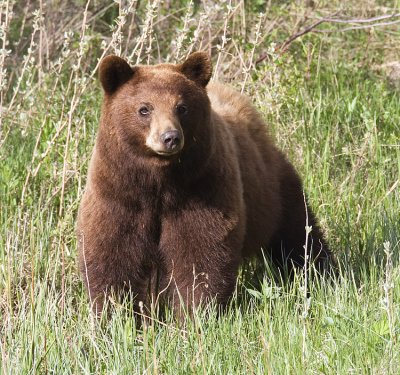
(331, 98)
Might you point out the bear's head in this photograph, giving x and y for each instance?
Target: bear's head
(158, 112)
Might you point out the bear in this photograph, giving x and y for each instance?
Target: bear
(185, 185)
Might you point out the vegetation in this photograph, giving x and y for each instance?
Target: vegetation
(331, 100)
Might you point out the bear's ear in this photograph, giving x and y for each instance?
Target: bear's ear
(198, 68)
(113, 72)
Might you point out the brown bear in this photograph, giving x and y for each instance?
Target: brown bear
(183, 186)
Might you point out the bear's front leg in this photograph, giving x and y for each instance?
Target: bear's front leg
(116, 253)
(202, 251)
(115, 269)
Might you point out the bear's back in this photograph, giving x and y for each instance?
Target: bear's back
(242, 118)
(260, 162)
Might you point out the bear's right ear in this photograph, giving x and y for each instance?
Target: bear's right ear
(113, 72)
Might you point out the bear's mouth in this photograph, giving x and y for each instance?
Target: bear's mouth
(163, 155)
(156, 150)
(167, 153)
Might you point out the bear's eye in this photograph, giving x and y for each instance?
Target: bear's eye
(181, 109)
(144, 111)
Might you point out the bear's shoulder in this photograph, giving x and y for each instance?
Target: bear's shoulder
(234, 107)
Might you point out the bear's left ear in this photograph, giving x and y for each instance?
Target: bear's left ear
(113, 72)
(197, 68)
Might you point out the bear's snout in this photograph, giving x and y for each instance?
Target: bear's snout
(171, 139)
(165, 137)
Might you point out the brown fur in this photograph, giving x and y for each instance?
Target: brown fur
(180, 224)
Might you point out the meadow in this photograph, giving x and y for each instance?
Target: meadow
(330, 94)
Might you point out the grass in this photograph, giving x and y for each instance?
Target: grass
(333, 113)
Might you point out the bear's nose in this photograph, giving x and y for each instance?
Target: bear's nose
(171, 139)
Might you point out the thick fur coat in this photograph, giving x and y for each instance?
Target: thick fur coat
(184, 185)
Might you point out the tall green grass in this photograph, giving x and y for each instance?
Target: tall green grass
(329, 109)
